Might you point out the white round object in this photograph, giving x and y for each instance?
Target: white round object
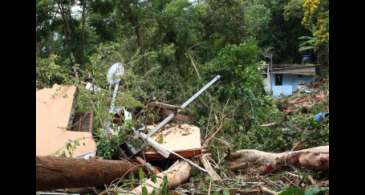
(115, 73)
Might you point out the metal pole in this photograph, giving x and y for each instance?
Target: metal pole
(186, 103)
(192, 98)
(111, 110)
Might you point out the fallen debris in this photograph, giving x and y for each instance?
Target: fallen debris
(57, 172)
(313, 158)
(55, 111)
(183, 139)
(209, 168)
(177, 174)
(148, 166)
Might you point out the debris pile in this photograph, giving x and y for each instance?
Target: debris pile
(168, 149)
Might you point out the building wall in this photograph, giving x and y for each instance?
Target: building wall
(290, 84)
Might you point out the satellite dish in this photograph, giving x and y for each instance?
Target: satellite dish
(115, 73)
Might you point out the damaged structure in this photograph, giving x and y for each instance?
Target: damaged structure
(55, 126)
(287, 78)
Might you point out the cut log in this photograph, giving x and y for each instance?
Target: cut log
(177, 174)
(56, 172)
(316, 158)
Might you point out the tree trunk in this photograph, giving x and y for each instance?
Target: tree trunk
(313, 158)
(177, 174)
(57, 172)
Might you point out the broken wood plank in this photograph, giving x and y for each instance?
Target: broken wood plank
(163, 105)
(209, 168)
(148, 166)
(57, 172)
(177, 174)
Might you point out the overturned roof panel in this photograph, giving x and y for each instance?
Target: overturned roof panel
(53, 117)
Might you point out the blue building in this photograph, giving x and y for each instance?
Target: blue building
(287, 78)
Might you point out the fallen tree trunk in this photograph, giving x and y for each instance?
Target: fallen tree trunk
(177, 174)
(316, 158)
(57, 172)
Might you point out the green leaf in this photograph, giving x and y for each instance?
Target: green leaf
(291, 191)
(316, 190)
(305, 37)
(153, 178)
(141, 175)
(164, 189)
(144, 190)
(305, 48)
(226, 192)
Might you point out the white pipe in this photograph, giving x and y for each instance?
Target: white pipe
(113, 98)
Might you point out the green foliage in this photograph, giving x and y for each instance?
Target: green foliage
(49, 72)
(226, 192)
(141, 175)
(291, 191)
(144, 190)
(68, 149)
(153, 178)
(294, 9)
(308, 43)
(257, 17)
(164, 186)
(127, 100)
(314, 190)
(109, 147)
(237, 64)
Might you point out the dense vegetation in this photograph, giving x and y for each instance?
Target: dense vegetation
(171, 48)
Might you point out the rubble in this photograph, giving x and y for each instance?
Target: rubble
(178, 142)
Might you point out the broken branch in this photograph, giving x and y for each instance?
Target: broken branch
(313, 158)
(177, 174)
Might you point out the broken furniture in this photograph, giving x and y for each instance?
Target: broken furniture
(183, 139)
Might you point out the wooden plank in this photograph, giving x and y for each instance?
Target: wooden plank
(163, 105)
(151, 154)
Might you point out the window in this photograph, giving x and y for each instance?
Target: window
(278, 79)
(83, 122)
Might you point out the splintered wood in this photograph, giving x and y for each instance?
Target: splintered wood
(54, 110)
(177, 174)
(183, 139)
